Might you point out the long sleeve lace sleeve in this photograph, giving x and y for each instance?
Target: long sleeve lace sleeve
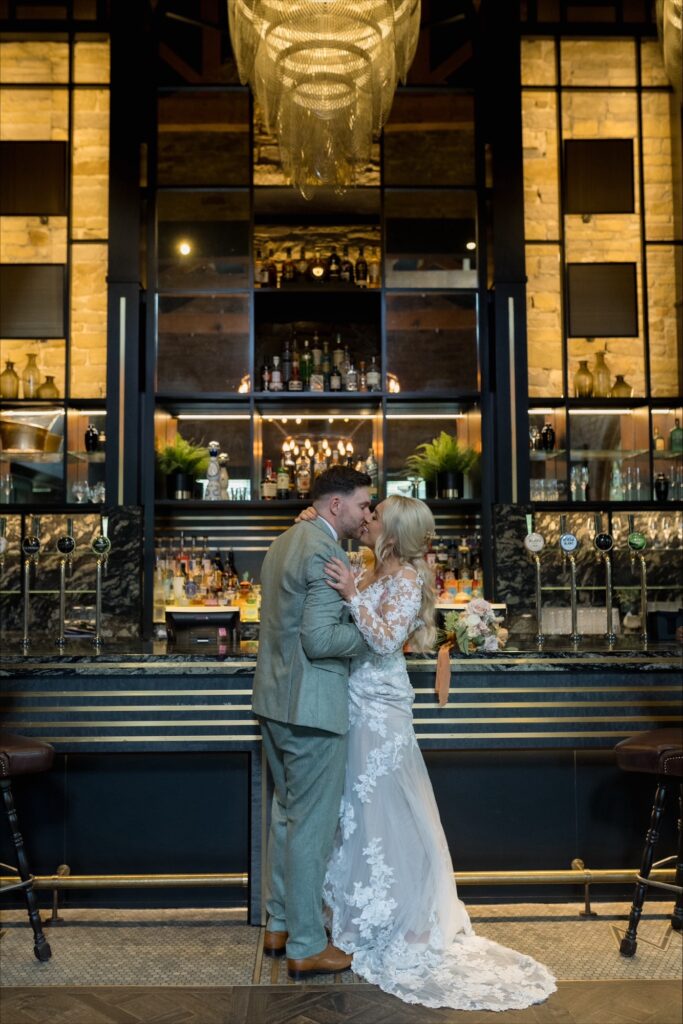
(387, 626)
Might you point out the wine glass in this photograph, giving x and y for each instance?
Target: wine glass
(584, 480)
(574, 478)
(80, 492)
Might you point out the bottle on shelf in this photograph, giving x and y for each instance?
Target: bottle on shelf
(282, 481)
(335, 379)
(658, 443)
(601, 376)
(258, 267)
(320, 461)
(372, 470)
(30, 378)
(286, 364)
(338, 353)
(48, 389)
(374, 270)
(548, 437)
(583, 381)
(306, 366)
(346, 270)
(212, 490)
(361, 269)
(303, 476)
(326, 366)
(9, 381)
(269, 271)
(351, 378)
(362, 376)
(621, 388)
(301, 265)
(224, 475)
(676, 437)
(268, 482)
(265, 377)
(334, 266)
(317, 375)
(316, 350)
(295, 383)
(91, 438)
(616, 488)
(317, 268)
(374, 376)
(288, 268)
(276, 383)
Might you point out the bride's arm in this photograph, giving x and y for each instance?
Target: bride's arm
(387, 627)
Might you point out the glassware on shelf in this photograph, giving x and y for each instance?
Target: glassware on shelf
(583, 381)
(621, 388)
(676, 437)
(616, 487)
(601, 376)
(9, 382)
(48, 389)
(584, 482)
(80, 491)
(534, 439)
(98, 492)
(574, 481)
(30, 378)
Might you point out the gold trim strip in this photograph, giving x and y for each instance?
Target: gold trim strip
(227, 738)
(598, 659)
(125, 666)
(452, 705)
(129, 693)
(111, 708)
(592, 734)
(532, 689)
(98, 723)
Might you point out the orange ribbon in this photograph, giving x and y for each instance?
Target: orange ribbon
(442, 685)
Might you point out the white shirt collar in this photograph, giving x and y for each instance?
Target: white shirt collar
(329, 526)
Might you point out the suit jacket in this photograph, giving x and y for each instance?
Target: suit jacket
(302, 667)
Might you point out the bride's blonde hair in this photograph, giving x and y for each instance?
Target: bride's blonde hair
(407, 531)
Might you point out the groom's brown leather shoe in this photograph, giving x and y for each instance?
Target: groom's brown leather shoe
(330, 961)
(274, 943)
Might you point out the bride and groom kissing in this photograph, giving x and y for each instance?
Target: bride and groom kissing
(358, 869)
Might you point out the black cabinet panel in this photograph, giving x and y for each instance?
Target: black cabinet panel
(602, 300)
(32, 300)
(598, 176)
(33, 179)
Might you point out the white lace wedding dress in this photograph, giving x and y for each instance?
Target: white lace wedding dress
(389, 884)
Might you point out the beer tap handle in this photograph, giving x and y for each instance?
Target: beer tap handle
(104, 525)
(3, 542)
(631, 523)
(597, 519)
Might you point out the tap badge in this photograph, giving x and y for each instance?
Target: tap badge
(603, 542)
(568, 542)
(30, 546)
(637, 540)
(534, 543)
(100, 545)
(65, 544)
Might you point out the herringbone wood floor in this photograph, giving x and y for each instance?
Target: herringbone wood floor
(575, 1002)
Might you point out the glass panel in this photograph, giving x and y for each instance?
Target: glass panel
(90, 167)
(652, 70)
(544, 320)
(29, 240)
(34, 114)
(50, 360)
(40, 62)
(538, 62)
(408, 426)
(547, 451)
(603, 62)
(431, 240)
(612, 448)
(665, 297)
(429, 140)
(194, 48)
(86, 456)
(203, 240)
(541, 183)
(203, 344)
(91, 62)
(231, 430)
(88, 321)
(203, 138)
(432, 342)
(667, 441)
(662, 166)
(31, 456)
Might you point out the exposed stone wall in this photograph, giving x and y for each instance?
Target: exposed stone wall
(26, 62)
(541, 172)
(27, 114)
(89, 321)
(90, 164)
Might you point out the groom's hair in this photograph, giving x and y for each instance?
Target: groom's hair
(338, 480)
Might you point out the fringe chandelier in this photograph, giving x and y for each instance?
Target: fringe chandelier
(324, 73)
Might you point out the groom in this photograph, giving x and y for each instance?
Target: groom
(301, 699)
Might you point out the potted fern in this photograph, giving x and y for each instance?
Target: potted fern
(442, 463)
(182, 462)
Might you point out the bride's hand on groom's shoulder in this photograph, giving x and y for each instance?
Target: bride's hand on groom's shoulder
(340, 577)
(307, 515)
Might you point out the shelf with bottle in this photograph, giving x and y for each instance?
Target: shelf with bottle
(598, 381)
(344, 259)
(318, 363)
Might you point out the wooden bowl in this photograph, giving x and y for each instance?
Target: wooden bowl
(27, 437)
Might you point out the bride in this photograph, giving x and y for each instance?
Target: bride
(389, 886)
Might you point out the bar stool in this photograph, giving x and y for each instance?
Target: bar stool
(20, 755)
(658, 752)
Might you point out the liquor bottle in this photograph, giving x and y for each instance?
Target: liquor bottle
(283, 481)
(338, 353)
(301, 265)
(346, 270)
(616, 489)
(289, 455)
(658, 442)
(92, 438)
(317, 270)
(269, 482)
(334, 265)
(372, 470)
(224, 475)
(351, 380)
(288, 268)
(320, 463)
(303, 476)
(270, 271)
(317, 376)
(316, 350)
(276, 375)
(676, 437)
(326, 366)
(361, 271)
(374, 377)
(344, 368)
(306, 366)
(362, 376)
(294, 383)
(286, 364)
(265, 377)
(258, 268)
(548, 437)
(374, 270)
(335, 379)
(212, 490)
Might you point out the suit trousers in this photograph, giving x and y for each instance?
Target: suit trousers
(308, 767)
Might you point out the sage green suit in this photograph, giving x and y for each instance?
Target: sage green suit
(301, 696)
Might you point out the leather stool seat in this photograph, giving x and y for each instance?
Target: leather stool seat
(658, 752)
(21, 755)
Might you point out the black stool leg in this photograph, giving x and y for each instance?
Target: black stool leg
(628, 943)
(677, 916)
(41, 947)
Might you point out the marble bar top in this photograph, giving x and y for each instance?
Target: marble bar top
(160, 657)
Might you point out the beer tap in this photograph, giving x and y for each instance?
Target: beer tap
(3, 544)
(603, 543)
(569, 544)
(65, 546)
(100, 546)
(637, 543)
(534, 543)
(30, 547)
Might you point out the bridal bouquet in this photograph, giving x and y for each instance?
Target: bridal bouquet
(475, 628)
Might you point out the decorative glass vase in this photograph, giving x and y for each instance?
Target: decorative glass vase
(601, 377)
(30, 378)
(9, 382)
(48, 389)
(621, 388)
(583, 381)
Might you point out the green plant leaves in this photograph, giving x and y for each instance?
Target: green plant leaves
(183, 456)
(441, 454)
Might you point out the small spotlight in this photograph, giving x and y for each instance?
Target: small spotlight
(284, 420)
(331, 420)
(184, 248)
(471, 246)
(298, 421)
